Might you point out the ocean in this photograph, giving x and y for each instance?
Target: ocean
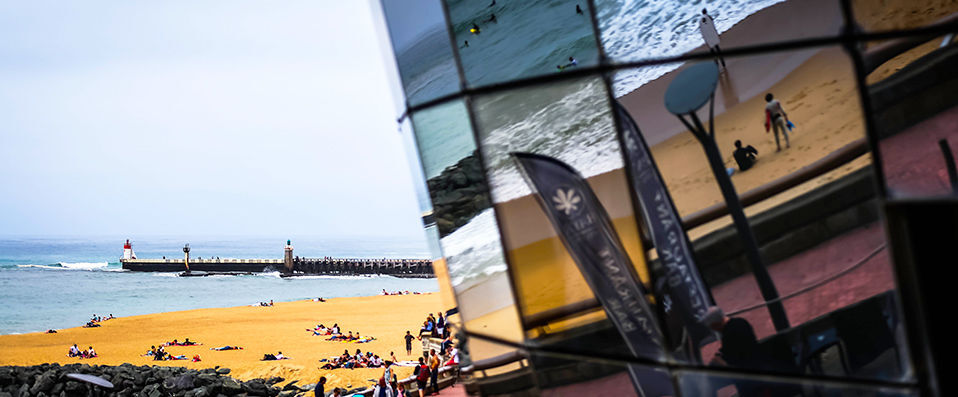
(569, 120)
(62, 282)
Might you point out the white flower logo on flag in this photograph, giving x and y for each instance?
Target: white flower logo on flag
(566, 201)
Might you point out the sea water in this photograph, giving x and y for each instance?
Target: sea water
(62, 282)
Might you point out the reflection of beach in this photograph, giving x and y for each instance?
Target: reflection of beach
(817, 88)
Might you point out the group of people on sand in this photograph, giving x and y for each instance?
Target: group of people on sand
(359, 360)
(76, 352)
(160, 354)
(95, 321)
(186, 342)
(406, 292)
(336, 335)
(776, 121)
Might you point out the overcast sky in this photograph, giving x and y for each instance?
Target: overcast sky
(217, 118)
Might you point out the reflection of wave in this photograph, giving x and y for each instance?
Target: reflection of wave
(568, 121)
(473, 251)
(643, 29)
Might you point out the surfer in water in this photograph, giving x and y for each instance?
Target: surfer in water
(572, 62)
(493, 3)
(466, 44)
(474, 29)
(492, 18)
(578, 10)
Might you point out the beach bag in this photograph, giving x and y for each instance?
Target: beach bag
(423, 373)
(789, 124)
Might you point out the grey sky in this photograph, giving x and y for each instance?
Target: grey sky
(202, 118)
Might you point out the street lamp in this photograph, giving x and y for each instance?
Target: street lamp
(687, 93)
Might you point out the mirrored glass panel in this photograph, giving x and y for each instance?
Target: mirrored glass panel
(427, 67)
(911, 83)
(634, 30)
(506, 40)
(776, 193)
(883, 15)
(559, 227)
(707, 385)
(465, 225)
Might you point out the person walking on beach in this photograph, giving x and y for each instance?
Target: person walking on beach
(776, 117)
(409, 339)
(711, 36)
(745, 157)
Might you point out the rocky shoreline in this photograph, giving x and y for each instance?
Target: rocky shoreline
(50, 380)
(458, 194)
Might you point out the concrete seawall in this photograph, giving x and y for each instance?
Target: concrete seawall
(301, 266)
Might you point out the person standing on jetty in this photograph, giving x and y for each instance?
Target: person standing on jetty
(711, 36)
(409, 339)
(776, 117)
(434, 370)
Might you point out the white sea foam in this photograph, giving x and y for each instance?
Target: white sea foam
(84, 265)
(474, 249)
(633, 30)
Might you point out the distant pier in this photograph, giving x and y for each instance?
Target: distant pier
(301, 266)
(290, 266)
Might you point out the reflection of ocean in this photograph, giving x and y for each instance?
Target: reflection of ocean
(427, 67)
(529, 38)
(641, 29)
(473, 252)
(570, 120)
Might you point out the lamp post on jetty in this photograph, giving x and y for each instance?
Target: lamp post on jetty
(288, 256)
(690, 90)
(186, 252)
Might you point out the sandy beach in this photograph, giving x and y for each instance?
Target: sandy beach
(258, 330)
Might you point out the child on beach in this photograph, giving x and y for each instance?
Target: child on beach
(776, 117)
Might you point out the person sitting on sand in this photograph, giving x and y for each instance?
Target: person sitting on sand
(151, 352)
(776, 117)
(745, 157)
(51, 331)
(90, 353)
(196, 358)
(74, 351)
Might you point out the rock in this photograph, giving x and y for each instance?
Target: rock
(274, 380)
(183, 382)
(5, 394)
(45, 382)
(288, 393)
(151, 391)
(222, 371)
(24, 391)
(290, 386)
(231, 387)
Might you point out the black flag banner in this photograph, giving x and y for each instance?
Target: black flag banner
(676, 279)
(586, 231)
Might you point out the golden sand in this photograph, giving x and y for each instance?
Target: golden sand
(258, 330)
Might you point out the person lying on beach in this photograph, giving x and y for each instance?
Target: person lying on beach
(277, 356)
(188, 343)
(51, 331)
(151, 352)
(196, 358)
(177, 358)
(227, 347)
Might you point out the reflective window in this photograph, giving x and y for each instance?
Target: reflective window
(634, 30)
(506, 40)
(423, 51)
(464, 223)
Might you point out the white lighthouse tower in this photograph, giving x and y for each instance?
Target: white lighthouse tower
(128, 250)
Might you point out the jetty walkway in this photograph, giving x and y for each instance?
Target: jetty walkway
(298, 266)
